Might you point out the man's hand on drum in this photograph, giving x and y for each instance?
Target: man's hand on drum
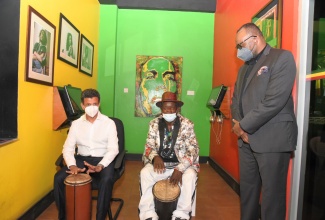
(176, 177)
(92, 168)
(158, 164)
(73, 169)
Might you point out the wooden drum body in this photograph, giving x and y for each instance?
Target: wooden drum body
(78, 196)
(165, 197)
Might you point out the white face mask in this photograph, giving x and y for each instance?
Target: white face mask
(91, 110)
(169, 117)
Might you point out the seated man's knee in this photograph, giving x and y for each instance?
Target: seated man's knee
(107, 179)
(145, 171)
(60, 175)
(189, 175)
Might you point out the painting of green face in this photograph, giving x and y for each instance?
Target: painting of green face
(157, 76)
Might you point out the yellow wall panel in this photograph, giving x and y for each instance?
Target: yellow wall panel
(28, 164)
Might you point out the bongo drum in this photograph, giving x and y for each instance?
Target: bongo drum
(165, 198)
(78, 196)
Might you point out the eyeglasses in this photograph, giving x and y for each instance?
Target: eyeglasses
(238, 46)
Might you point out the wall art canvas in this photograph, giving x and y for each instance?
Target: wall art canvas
(69, 37)
(269, 22)
(154, 76)
(86, 56)
(40, 49)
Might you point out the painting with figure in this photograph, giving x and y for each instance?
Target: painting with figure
(40, 54)
(154, 76)
(269, 22)
(69, 38)
(39, 49)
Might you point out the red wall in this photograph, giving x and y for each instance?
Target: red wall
(229, 16)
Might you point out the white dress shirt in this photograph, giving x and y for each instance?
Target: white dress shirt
(97, 139)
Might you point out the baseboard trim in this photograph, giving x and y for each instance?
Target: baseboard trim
(39, 207)
(229, 179)
(133, 157)
(138, 157)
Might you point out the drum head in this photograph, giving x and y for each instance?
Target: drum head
(77, 179)
(165, 192)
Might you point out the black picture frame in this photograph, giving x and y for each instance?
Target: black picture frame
(269, 20)
(68, 46)
(40, 49)
(86, 56)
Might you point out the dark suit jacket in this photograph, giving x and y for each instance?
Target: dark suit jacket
(267, 103)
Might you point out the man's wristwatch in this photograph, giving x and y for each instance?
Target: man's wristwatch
(101, 165)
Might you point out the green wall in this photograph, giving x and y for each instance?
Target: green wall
(106, 57)
(163, 33)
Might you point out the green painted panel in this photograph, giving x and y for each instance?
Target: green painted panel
(163, 33)
(106, 57)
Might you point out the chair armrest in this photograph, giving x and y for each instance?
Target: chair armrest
(59, 161)
(119, 159)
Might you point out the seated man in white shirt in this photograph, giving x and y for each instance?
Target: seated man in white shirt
(95, 136)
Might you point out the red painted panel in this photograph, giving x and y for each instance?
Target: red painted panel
(229, 16)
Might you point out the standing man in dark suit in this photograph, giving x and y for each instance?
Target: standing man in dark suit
(264, 121)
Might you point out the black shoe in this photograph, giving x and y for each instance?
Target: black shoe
(149, 219)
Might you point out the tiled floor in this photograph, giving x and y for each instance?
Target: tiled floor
(215, 199)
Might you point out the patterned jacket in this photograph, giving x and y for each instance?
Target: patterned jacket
(186, 146)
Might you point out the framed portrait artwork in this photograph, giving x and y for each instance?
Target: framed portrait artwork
(154, 76)
(269, 20)
(86, 56)
(40, 49)
(68, 46)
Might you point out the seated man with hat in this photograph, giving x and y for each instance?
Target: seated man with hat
(171, 151)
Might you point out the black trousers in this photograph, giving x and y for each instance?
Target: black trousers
(103, 180)
(265, 175)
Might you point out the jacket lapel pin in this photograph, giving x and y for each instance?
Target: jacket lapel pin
(264, 69)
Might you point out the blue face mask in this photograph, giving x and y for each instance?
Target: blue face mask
(244, 54)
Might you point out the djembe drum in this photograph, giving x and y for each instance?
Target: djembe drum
(165, 197)
(78, 196)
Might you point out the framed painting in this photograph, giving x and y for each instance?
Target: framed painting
(86, 56)
(154, 76)
(68, 46)
(40, 49)
(269, 20)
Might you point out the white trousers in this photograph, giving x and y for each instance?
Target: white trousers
(148, 178)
